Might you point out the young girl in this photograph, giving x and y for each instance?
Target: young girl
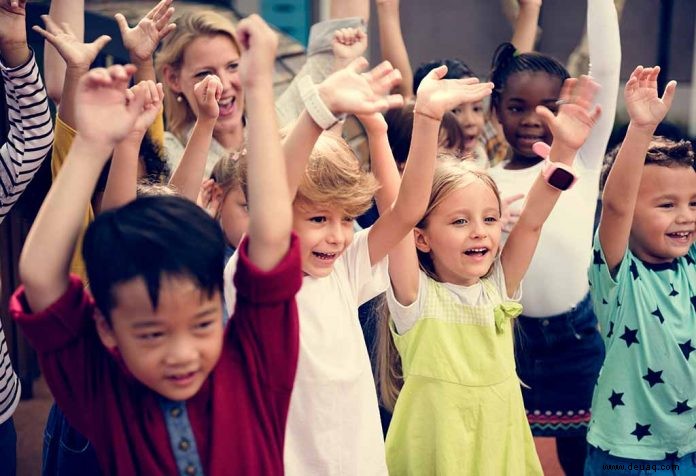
(460, 409)
(559, 350)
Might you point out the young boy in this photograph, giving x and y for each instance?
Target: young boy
(643, 282)
(145, 370)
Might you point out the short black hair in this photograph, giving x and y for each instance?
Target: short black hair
(152, 238)
(456, 69)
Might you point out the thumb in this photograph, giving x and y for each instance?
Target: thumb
(358, 64)
(668, 95)
(101, 42)
(541, 149)
(438, 72)
(122, 23)
(546, 115)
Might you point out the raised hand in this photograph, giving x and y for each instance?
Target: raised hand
(508, 216)
(348, 91)
(152, 95)
(259, 43)
(107, 109)
(576, 114)
(373, 123)
(436, 96)
(142, 40)
(348, 44)
(644, 106)
(207, 93)
(75, 53)
(13, 21)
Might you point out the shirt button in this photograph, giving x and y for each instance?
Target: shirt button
(184, 444)
(545, 322)
(190, 470)
(175, 412)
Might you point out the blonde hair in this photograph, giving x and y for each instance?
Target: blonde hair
(189, 26)
(450, 175)
(334, 177)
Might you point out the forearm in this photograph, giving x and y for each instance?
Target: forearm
(14, 53)
(350, 8)
(62, 11)
(525, 29)
(188, 176)
(384, 168)
(392, 44)
(45, 260)
(145, 71)
(297, 148)
(270, 209)
(67, 104)
(122, 183)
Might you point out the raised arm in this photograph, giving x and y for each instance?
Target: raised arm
(188, 175)
(270, 209)
(646, 110)
(605, 67)
(526, 25)
(570, 128)
(392, 45)
(435, 97)
(30, 131)
(105, 116)
(61, 12)
(122, 182)
(344, 92)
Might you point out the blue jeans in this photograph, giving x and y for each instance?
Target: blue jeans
(8, 448)
(65, 451)
(601, 463)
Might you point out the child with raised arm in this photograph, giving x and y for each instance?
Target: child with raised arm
(29, 138)
(452, 297)
(144, 369)
(643, 282)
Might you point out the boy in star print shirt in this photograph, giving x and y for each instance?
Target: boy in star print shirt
(643, 282)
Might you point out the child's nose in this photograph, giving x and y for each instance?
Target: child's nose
(180, 353)
(336, 234)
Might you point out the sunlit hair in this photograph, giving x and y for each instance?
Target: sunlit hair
(189, 27)
(450, 175)
(153, 189)
(226, 174)
(662, 151)
(334, 178)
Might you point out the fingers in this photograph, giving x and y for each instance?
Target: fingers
(668, 95)
(438, 72)
(513, 198)
(360, 64)
(48, 36)
(546, 115)
(101, 42)
(541, 149)
(122, 23)
(163, 22)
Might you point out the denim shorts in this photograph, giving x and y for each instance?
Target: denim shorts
(601, 463)
(558, 360)
(65, 451)
(8, 448)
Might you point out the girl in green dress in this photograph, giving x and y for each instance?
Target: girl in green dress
(454, 289)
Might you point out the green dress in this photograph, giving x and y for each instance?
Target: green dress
(460, 411)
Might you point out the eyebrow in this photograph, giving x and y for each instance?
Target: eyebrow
(154, 323)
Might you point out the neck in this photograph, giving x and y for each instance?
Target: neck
(522, 162)
(231, 140)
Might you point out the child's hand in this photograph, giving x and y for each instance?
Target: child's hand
(576, 115)
(209, 197)
(348, 91)
(107, 109)
(259, 43)
(207, 93)
(536, 3)
(436, 96)
(348, 44)
(76, 54)
(645, 108)
(374, 123)
(153, 95)
(508, 217)
(142, 40)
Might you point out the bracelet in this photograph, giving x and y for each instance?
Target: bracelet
(315, 106)
(426, 115)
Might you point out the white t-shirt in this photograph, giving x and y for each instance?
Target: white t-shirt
(557, 277)
(405, 317)
(333, 422)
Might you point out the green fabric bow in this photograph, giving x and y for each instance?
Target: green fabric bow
(504, 312)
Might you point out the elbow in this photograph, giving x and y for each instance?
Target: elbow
(54, 90)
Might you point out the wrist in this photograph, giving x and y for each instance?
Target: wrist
(643, 129)
(140, 62)
(205, 122)
(14, 53)
(319, 103)
(424, 113)
(96, 150)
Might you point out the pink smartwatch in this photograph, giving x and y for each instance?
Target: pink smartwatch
(559, 176)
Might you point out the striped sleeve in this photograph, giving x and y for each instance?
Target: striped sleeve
(30, 133)
(9, 383)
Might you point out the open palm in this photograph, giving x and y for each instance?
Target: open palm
(576, 115)
(71, 49)
(644, 106)
(437, 96)
(142, 40)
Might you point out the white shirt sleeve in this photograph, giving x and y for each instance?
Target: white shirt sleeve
(497, 276)
(365, 281)
(405, 317)
(605, 67)
(230, 291)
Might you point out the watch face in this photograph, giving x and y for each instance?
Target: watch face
(561, 179)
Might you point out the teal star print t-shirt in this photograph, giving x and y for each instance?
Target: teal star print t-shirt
(644, 403)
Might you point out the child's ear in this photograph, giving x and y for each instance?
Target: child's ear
(422, 242)
(106, 333)
(171, 78)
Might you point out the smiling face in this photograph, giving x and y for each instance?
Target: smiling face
(171, 349)
(462, 234)
(324, 234)
(211, 54)
(664, 220)
(516, 110)
(471, 118)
